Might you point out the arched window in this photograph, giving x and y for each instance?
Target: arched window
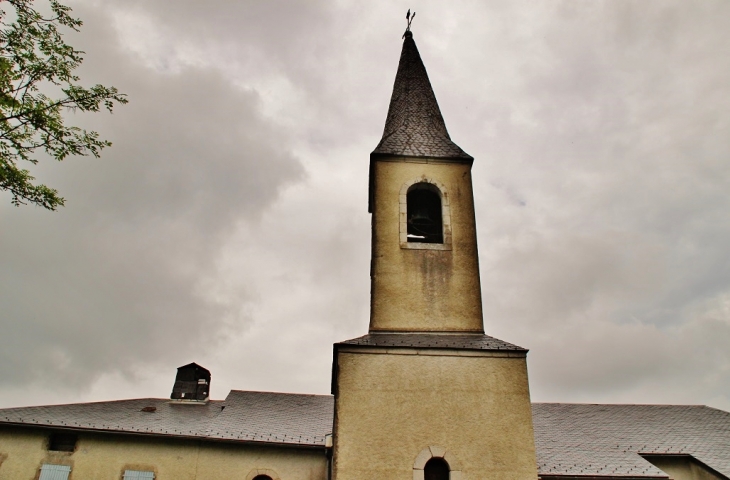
(436, 469)
(262, 474)
(425, 223)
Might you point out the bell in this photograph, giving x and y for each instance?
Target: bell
(422, 217)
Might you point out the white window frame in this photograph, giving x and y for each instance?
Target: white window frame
(50, 471)
(138, 475)
(434, 451)
(403, 216)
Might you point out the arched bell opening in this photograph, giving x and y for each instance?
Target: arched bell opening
(262, 474)
(424, 218)
(436, 469)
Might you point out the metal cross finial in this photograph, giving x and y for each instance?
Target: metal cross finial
(409, 18)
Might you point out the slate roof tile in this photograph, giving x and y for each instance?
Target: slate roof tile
(243, 416)
(604, 440)
(570, 439)
(433, 340)
(274, 417)
(122, 415)
(414, 126)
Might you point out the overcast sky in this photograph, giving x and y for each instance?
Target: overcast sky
(228, 224)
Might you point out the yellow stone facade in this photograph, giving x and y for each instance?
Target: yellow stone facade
(101, 456)
(391, 405)
(417, 286)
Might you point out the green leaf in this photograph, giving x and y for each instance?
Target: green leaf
(33, 53)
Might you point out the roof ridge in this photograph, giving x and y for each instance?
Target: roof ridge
(282, 393)
(85, 403)
(629, 404)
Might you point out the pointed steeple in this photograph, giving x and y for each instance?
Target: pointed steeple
(415, 127)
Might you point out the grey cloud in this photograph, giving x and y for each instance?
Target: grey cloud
(620, 151)
(117, 279)
(601, 177)
(330, 54)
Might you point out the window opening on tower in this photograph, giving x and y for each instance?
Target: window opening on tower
(436, 469)
(425, 222)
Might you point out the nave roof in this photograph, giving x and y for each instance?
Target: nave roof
(596, 440)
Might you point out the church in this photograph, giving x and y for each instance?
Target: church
(424, 395)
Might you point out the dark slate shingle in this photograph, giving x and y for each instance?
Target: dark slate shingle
(433, 340)
(274, 417)
(414, 126)
(122, 415)
(607, 440)
(243, 416)
(570, 439)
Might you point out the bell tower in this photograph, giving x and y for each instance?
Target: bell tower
(425, 271)
(426, 395)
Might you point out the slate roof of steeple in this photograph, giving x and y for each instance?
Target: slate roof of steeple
(414, 126)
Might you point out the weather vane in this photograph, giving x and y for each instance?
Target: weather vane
(409, 18)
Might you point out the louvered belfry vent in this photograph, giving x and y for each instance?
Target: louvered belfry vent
(192, 383)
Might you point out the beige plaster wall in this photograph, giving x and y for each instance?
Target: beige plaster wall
(23, 451)
(424, 290)
(682, 467)
(106, 456)
(229, 461)
(390, 407)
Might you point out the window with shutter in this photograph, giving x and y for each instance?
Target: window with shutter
(54, 472)
(138, 475)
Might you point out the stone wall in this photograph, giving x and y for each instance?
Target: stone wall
(106, 456)
(396, 408)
